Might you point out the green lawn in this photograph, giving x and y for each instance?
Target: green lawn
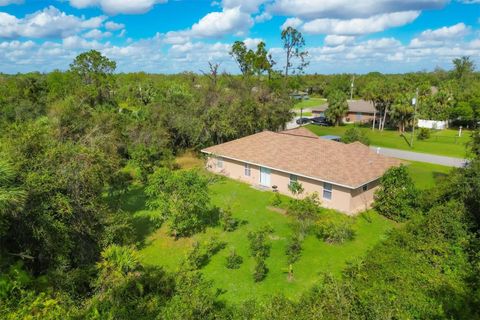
(426, 175)
(250, 206)
(310, 103)
(442, 142)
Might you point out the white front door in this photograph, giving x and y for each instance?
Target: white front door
(265, 176)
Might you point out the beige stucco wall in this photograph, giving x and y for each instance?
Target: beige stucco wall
(343, 199)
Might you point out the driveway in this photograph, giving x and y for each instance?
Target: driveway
(422, 157)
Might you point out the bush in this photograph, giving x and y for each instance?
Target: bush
(276, 200)
(200, 255)
(261, 270)
(294, 249)
(258, 244)
(423, 134)
(227, 221)
(335, 231)
(397, 196)
(355, 134)
(234, 260)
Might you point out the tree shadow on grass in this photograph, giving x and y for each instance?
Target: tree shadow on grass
(133, 204)
(439, 176)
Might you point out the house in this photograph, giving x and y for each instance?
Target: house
(300, 95)
(344, 175)
(360, 111)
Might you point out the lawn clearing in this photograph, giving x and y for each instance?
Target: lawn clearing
(426, 175)
(250, 206)
(441, 142)
(310, 103)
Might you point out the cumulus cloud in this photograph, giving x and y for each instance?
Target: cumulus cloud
(113, 26)
(291, 22)
(348, 9)
(441, 36)
(96, 34)
(333, 40)
(251, 43)
(9, 2)
(214, 25)
(47, 23)
(113, 7)
(250, 6)
(359, 26)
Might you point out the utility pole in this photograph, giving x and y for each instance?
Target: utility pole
(351, 88)
(415, 103)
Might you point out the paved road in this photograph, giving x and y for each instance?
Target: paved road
(422, 157)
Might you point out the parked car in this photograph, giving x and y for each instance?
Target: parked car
(303, 120)
(320, 121)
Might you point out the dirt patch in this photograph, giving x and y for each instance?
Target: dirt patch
(276, 209)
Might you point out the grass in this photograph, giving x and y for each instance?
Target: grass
(310, 103)
(426, 175)
(251, 206)
(442, 142)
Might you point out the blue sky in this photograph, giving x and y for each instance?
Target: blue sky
(160, 36)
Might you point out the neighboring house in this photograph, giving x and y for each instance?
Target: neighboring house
(300, 95)
(360, 111)
(344, 175)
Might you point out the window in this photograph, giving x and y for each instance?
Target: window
(293, 178)
(365, 187)
(327, 191)
(219, 162)
(247, 170)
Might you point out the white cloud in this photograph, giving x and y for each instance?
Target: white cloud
(348, 9)
(49, 22)
(264, 16)
(250, 6)
(9, 2)
(440, 37)
(251, 43)
(217, 24)
(96, 34)
(118, 6)
(291, 22)
(359, 26)
(332, 40)
(214, 25)
(113, 26)
(455, 31)
(76, 42)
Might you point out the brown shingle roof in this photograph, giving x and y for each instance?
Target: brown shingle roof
(300, 131)
(353, 106)
(349, 165)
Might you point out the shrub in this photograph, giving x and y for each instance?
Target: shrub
(295, 188)
(234, 260)
(227, 221)
(261, 270)
(276, 200)
(335, 231)
(355, 134)
(305, 211)
(423, 134)
(258, 244)
(397, 197)
(294, 249)
(200, 255)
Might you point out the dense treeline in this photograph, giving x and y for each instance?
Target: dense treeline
(70, 142)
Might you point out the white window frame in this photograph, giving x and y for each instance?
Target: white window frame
(220, 162)
(247, 170)
(327, 190)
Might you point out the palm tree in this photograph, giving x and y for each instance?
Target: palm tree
(337, 107)
(401, 114)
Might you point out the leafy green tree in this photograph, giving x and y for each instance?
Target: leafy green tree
(12, 198)
(463, 67)
(396, 198)
(182, 199)
(355, 134)
(95, 74)
(337, 107)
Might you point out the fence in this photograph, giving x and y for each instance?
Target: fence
(432, 124)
